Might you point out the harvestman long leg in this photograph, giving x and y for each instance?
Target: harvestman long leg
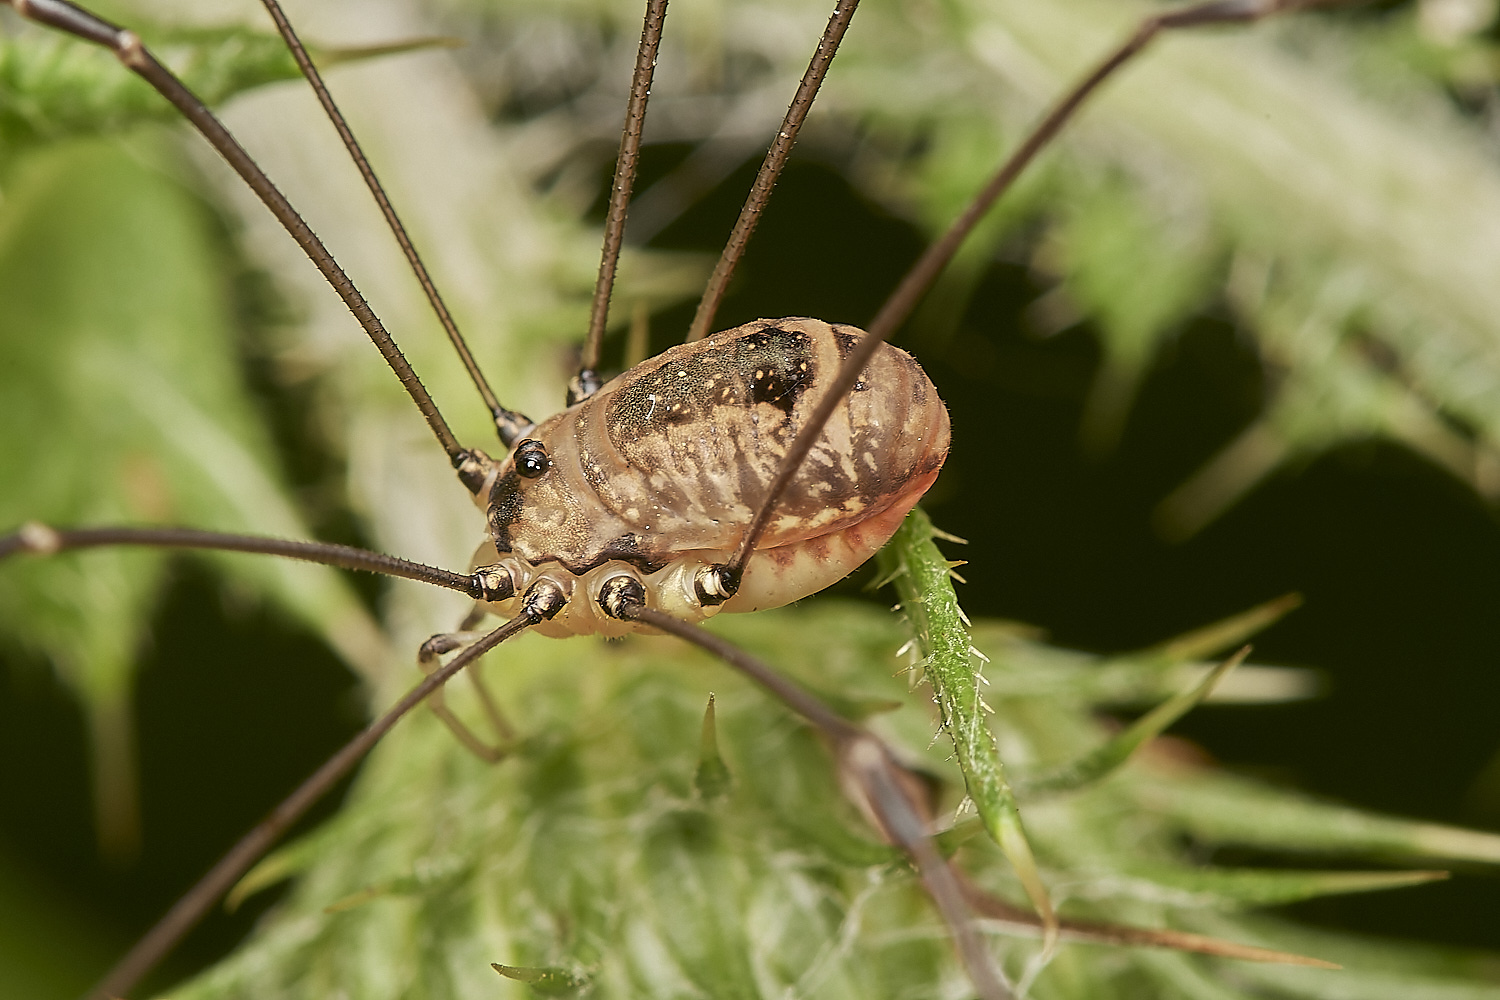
(473, 466)
(429, 658)
(587, 381)
(188, 911)
(883, 785)
(509, 424)
(925, 271)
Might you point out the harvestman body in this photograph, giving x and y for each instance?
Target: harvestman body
(656, 476)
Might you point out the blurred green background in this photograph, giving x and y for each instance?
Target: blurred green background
(1396, 555)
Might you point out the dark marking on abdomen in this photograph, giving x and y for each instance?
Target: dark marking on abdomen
(776, 364)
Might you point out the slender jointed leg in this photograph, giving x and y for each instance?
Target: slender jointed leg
(429, 659)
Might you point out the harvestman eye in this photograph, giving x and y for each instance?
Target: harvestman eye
(531, 459)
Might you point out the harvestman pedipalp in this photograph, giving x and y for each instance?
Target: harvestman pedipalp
(720, 579)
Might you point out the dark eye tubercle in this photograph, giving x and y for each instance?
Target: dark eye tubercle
(531, 459)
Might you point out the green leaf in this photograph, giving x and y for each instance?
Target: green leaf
(548, 982)
(54, 87)
(1105, 758)
(1222, 809)
(1271, 886)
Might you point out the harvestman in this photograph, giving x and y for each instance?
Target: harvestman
(794, 489)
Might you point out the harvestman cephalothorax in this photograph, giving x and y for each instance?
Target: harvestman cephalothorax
(614, 595)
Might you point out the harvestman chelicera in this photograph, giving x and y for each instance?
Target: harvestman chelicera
(739, 471)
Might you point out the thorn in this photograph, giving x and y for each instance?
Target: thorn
(712, 778)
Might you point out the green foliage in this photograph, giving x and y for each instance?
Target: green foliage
(593, 853)
(53, 87)
(1258, 171)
